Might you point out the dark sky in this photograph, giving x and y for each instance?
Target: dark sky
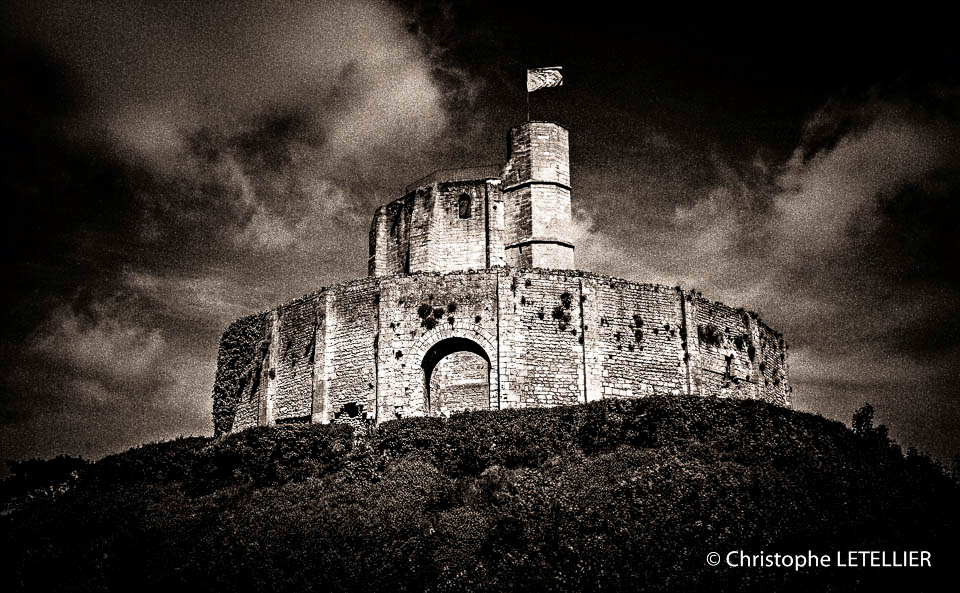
(170, 167)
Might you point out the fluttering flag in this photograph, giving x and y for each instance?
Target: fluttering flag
(541, 78)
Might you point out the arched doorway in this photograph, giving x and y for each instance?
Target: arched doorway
(456, 377)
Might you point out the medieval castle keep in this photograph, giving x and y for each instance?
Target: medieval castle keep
(473, 302)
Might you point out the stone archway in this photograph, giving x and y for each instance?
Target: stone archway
(448, 375)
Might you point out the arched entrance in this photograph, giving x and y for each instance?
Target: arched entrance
(456, 377)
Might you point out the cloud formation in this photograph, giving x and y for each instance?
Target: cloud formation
(153, 72)
(827, 246)
(216, 159)
(99, 343)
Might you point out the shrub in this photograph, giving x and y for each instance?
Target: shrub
(710, 335)
(261, 455)
(41, 478)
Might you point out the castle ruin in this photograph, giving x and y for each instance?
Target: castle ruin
(473, 302)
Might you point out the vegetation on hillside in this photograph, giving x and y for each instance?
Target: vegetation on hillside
(614, 495)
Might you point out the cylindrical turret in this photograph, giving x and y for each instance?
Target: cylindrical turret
(536, 194)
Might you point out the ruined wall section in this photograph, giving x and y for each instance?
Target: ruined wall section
(295, 359)
(379, 258)
(634, 339)
(390, 237)
(772, 365)
(739, 356)
(724, 336)
(540, 324)
(424, 213)
(350, 370)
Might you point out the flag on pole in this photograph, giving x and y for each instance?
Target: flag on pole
(540, 78)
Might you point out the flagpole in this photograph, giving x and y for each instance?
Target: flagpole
(526, 75)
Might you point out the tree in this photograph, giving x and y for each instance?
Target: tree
(878, 435)
(863, 421)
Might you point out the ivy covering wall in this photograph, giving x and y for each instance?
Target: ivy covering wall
(239, 363)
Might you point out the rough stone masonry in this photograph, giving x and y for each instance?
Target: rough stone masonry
(473, 302)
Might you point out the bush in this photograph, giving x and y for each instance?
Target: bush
(614, 495)
(710, 335)
(260, 456)
(40, 478)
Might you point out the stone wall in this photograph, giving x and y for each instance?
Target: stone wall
(359, 352)
(296, 335)
(772, 365)
(445, 226)
(390, 238)
(239, 365)
(726, 339)
(351, 344)
(634, 340)
(420, 311)
(458, 231)
(738, 355)
(540, 338)
(460, 382)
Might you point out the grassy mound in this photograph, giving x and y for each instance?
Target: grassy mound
(615, 495)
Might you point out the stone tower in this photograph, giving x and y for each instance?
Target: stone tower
(516, 214)
(535, 186)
